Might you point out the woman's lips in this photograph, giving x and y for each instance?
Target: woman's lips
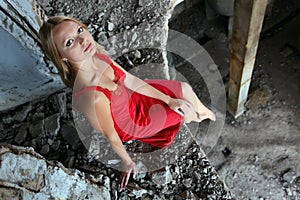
(88, 47)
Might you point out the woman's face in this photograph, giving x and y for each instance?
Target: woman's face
(74, 42)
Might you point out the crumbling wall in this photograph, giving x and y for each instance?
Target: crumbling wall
(24, 174)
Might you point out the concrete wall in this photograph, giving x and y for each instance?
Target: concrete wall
(24, 75)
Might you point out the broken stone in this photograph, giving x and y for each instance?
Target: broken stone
(55, 145)
(24, 173)
(22, 114)
(15, 170)
(162, 177)
(141, 170)
(102, 38)
(50, 141)
(226, 151)
(52, 125)
(37, 129)
(146, 197)
(71, 162)
(166, 190)
(58, 103)
(288, 176)
(8, 119)
(106, 182)
(45, 149)
(110, 26)
(11, 193)
(136, 191)
(113, 162)
(69, 133)
(38, 116)
(22, 134)
(187, 195)
(188, 182)
(137, 54)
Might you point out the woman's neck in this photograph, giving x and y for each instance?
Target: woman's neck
(87, 73)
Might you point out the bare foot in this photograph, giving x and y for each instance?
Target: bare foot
(192, 115)
(208, 114)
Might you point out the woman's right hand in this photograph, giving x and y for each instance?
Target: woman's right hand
(128, 168)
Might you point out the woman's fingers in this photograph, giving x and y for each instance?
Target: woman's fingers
(186, 108)
(126, 175)
(179, 106)
(124, 181)
(127, 178)
(134, 170)
(179, 111)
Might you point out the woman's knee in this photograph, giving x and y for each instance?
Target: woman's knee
(186, 87)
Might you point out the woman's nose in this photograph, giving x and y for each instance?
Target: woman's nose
(80, 39)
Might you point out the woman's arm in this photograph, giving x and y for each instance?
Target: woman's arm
(134, 83)
(104, 123)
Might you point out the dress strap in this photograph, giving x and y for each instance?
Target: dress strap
(105, 58)
(119, 74)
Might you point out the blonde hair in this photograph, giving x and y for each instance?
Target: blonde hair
(66, 70)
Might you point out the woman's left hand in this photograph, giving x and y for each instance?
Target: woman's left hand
(181, 106)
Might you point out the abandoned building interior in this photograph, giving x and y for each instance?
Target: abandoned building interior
(241, 57)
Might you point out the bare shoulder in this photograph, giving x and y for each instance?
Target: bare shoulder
(89, 100)
(95, 106)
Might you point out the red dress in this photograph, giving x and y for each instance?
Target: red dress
(139, 117)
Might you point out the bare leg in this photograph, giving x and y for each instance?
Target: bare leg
(201, 112)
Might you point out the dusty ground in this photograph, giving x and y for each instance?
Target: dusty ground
(257, 154)
(265, 142)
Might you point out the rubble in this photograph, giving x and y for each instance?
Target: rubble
(190, 172)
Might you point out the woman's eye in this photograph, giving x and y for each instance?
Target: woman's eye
(69, 42)
(80, 30)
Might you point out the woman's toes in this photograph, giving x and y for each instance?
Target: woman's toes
(212, 116)
(198, 116)
(207, 115)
